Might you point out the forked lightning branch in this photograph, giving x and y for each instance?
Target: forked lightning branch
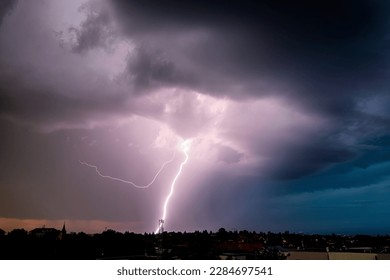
(184, 147)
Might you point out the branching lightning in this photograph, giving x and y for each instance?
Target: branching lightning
(130, 182)
(185, 147)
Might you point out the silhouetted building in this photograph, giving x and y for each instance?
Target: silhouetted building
(45, 232)
(62, 233)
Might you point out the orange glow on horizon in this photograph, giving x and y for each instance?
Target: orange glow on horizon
(87, 226)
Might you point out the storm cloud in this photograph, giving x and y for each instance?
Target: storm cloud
(280, 99)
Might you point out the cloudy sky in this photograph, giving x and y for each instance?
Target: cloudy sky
(286, 104)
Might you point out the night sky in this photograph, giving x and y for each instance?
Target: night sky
(286, 104)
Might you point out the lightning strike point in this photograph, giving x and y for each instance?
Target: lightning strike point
(185, 147)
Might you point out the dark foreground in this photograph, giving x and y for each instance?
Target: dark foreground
(49, 243)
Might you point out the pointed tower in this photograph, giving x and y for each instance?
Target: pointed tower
(63, 232)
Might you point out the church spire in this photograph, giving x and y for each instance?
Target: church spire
(63, 231)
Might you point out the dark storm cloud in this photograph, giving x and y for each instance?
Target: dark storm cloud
(95, 31)
(148, 70)
(327, 58)
(33, 102)
(326, 53)
(322, 48)
(324, 56)
(6, 7)
(286, 103)
(300, 161)
(42, 108)
(360, 138)
(44, 85)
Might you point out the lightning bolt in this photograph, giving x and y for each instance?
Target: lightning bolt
(126, 181)
(185, 147)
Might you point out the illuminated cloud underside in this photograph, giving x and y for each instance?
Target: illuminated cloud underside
(286, 105)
